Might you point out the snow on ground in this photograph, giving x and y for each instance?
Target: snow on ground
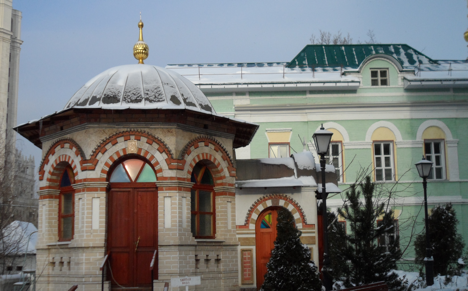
(417, 283)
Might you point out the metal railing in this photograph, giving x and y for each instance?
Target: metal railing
(103, 269)
(152, 269)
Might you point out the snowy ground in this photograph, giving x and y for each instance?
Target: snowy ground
(440, 282)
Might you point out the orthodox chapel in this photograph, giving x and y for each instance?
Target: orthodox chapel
(138, 186)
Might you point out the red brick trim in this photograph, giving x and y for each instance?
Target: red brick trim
(59, 164)
(72, 145)
(275, 202)
(127, 135)
(44, 197)
(213, 164)
(218, 147)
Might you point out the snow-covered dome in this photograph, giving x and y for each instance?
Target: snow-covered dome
(140, 86)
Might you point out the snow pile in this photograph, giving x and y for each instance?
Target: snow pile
(415, 282)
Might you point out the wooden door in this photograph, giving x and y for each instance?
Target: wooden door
(265, 236)
(132, 235)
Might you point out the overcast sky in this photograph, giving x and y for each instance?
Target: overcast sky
(66, 43)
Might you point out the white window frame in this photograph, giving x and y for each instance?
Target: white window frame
(432, 157)
(272, 154)
(382, 157)
(379, 78)
(386, 236)
(329, 157)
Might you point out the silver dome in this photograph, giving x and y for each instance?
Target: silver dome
(140, 86)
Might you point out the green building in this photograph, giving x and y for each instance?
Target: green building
(387, 105)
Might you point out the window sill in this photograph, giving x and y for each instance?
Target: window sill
(209, 240)
(60, 243)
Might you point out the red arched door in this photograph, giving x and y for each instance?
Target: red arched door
(265, 236)
(133, 223)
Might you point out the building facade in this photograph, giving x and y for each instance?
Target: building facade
(387, 105)
(10, 29)
(19, 180)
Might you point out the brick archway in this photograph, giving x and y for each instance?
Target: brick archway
(56, 169)
(275, 200)
(66, 147)
(212, 147)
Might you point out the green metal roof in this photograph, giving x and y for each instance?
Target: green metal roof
(352, 55)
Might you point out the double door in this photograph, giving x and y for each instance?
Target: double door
(132, 236)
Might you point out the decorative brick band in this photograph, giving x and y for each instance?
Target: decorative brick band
(64, 143)
(113, 140)
(56, 169)
(212, 144)
(213, 165)
(272, 200)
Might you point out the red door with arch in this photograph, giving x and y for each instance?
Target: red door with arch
(265, 236)
(133, 223)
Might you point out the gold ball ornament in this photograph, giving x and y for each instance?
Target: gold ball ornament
(466, 36)
(140, 49)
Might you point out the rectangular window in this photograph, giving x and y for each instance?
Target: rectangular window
(335, 159)
(390, 237)
(379, 77)
(434, 151)
(279, 150)
(67, 215)
(383, 161)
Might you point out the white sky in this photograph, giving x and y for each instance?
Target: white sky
(66, 43)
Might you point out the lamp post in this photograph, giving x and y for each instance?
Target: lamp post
(424, 169)
(322, 140)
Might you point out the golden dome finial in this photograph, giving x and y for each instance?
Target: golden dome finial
(140, 49)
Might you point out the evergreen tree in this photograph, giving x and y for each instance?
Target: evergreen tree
(369, 252)
(447, 245)
(290, 267)
(337, 241)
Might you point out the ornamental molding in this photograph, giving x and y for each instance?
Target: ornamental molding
(84, 185)
(451, 142)
(357, 145)
(174, 183)
(224, 189)
(409, 144)
(48, 192)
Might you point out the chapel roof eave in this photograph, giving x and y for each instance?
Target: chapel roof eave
(33, 130)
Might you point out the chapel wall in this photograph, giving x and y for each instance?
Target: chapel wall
(78, 261)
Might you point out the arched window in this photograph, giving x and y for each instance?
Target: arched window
(66, 205)
(133, 170)
(202, 202)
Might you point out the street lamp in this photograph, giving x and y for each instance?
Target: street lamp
(322, 140)
(424, 169)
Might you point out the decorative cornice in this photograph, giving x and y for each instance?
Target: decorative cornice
(174, 183)
(409, 144)
(357, 145)
(224, 189)
(83, 185)
(48, 192)
(452, 142)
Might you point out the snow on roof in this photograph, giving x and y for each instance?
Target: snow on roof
(288, 162)
(328, 168)
(140, 86)
(329, 187)
(318, 67)
(19, 237)
(260, 74)
(304, 160)
(279, 182)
